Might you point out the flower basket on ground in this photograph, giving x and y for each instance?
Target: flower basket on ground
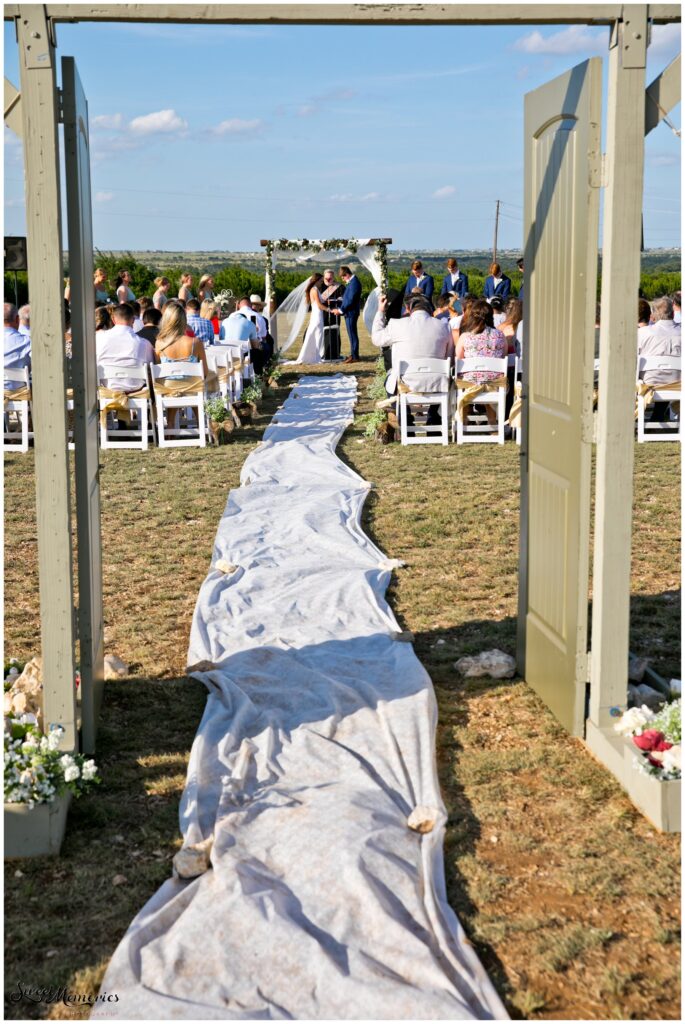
(652, 762)
(40, 781)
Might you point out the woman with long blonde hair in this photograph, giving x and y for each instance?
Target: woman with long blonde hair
(205, 288)
(174, 346)
(99, 282)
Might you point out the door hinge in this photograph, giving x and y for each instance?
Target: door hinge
(583, 668)
(60, 106)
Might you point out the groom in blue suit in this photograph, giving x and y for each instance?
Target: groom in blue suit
(349, 308)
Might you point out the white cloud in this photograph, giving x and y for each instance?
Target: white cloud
(663, 160)
(237, 126)
(165, 121)
(370, 196)
(108, 122)
(574, 39)
(444, 192)
(14, 202)
(665, 41)
(307, 109)
(103, 197)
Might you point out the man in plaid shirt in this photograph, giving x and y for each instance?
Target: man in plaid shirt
(203, 328)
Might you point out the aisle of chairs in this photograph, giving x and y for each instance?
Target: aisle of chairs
(435, 399)
(166, 410)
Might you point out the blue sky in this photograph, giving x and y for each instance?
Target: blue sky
(212, 137)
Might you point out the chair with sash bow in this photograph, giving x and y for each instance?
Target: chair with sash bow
(132, 408)
(648, 394)
(470, 428)
(180, 386)
(424, 383)
(17, 411)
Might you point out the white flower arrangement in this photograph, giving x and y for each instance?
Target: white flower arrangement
(35, 770)
(657, 736)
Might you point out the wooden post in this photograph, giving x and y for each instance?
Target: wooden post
(39, 108)
(618, 355)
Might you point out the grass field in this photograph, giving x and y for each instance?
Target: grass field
(570, 897)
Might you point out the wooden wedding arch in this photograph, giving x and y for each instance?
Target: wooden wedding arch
(316, 245)
(552, 598)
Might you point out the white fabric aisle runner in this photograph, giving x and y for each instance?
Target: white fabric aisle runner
(316, 744)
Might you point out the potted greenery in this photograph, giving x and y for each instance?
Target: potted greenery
(219, 420)
(40, 781)
(246, 408)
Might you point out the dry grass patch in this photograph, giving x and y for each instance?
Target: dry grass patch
(570, 897)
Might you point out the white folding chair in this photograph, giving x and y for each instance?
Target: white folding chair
(234, 353)
(664, 430)
(142, 427)
(17, 410)
(248, 368)
(478, 429)
(184, 434)
(435, 373)
(220, 362)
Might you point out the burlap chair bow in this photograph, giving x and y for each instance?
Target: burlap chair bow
(514, 420)
(469, 390)
(118, 401)
(19, 395)
(647, 392)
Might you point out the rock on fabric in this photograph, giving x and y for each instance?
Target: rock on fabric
(315, 748)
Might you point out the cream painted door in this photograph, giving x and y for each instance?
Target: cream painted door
(84, 381)
(561, 212)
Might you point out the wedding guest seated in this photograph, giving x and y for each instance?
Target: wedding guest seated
(443, 310)
(25, 321)
(417, 279)
(513, 315)
(209, 310)
(17, 346)
(416, 335)
(262, 323)
(457, 318)
(479, 337)
(121, 346)
(660, 338)
(644, 313)
(174, 346)
(137, 321)
(144, 303)
(238, 327)
(455, 281)
(151, 321)
(103, 319)
(200, 325)
(496, 283)
(497, 306)
(675, 299)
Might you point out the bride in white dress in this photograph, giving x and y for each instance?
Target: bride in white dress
(312, 347)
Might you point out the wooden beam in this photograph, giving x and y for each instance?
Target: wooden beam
(13, 108)
(354, 14)
(617, 363)
(662, 95)
(44, 250)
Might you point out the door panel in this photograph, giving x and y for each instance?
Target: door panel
(84, 383)
(562, 172)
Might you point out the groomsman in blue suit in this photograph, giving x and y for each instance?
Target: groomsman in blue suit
(497, 284)
(417, 279)
(455, 281)
(349, 308)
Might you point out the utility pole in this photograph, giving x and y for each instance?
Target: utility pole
(494, 244)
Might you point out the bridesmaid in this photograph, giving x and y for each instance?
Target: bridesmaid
(184, 292)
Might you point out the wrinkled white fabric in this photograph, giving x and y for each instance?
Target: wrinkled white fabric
(366, 254)
(316, 746)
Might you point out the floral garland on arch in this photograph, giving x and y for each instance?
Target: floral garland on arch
(320, 245)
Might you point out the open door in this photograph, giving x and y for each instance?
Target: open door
(562, 180)
(84, 384)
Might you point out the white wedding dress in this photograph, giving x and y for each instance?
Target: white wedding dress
(312, 347)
